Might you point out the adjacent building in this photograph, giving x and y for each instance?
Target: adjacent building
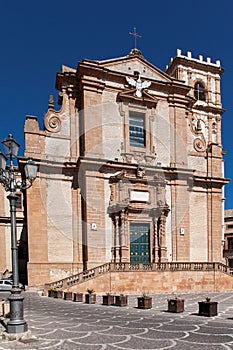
(228, 247)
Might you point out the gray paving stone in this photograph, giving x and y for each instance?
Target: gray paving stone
(187, 346)
(201, 338)
(137, 344)
(63, 325)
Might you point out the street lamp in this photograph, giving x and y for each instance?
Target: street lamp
(11, 183)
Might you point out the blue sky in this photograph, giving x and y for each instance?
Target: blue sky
(37, 37)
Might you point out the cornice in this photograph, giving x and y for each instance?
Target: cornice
(210, 182)
(209, 109)
(94, 77)
(90, 84)
(180, 100)
(103, 74)
(68, 78)
(195, 64)
(134, 55)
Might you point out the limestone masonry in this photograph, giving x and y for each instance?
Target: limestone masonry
(130, 167)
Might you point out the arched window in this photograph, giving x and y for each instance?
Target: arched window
(199, 91)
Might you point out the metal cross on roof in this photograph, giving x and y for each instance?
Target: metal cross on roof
(135, 35)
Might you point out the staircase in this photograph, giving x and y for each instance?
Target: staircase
(107, 268)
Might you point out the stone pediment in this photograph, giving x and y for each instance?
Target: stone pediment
(129, 95)
(135, 62)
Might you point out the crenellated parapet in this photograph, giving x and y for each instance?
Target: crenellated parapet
(200, 58)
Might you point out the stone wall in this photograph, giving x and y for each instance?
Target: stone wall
(157, 282)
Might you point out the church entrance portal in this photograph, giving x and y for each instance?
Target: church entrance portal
(139, 242)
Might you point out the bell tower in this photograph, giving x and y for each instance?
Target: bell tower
(204, 145)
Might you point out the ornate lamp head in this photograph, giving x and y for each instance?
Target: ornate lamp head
(30, 170)
(11, 147)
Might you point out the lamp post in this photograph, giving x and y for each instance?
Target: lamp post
(11, 183)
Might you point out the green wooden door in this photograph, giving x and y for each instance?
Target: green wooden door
(139, 243)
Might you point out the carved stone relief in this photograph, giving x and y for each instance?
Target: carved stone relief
(140, 172)
(52, 123)
(199, 145)
(199, 130)
(138, 158)
(138, 197)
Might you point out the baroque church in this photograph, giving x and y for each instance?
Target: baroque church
(130, 168)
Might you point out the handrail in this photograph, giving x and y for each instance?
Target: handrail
(137, 267)
(79, 277)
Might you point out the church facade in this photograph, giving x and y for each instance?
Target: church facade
(130, 167)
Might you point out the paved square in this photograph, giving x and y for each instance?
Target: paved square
(66, 325)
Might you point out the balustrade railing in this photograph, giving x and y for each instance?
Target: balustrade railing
(224, 268)
(136, 267)
(79, 277)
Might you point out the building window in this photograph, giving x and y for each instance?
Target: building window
(137, 129)
(199, 91)
(230, 243)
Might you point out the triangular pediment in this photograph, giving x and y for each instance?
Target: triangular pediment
(129, 95)
(135, 62)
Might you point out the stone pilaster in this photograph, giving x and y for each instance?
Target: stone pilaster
(117, 239)
(162, 238)
(123, 240)
(155, 249)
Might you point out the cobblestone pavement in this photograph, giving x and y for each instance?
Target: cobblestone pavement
(66, 325)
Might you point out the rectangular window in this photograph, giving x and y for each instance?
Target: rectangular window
(230, 243)
(137, 129)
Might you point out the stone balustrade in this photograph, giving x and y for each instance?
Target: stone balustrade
(87, 275)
